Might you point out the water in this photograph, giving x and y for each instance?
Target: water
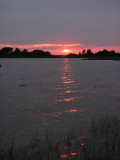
(55, 94)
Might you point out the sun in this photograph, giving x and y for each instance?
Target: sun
(66, 50)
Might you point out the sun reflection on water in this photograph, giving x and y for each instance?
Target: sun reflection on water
(45, 116)
(67, 99)
(66, 95)
(67, 85)
(70, 91)
(69, 81)
(81, 141)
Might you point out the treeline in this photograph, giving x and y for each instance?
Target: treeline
(8, 52)
(90, 54)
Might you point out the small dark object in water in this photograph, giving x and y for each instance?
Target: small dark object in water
(21, 85)
(0, 65)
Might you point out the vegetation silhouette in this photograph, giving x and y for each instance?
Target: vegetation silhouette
(105, 54)
(8, 52)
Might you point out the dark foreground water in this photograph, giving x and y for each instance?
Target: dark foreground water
(55, 94)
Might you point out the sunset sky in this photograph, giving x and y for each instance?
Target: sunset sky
(60, 26)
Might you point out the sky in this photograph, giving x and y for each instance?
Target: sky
(60, 26)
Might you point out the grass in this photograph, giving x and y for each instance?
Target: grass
(101, 141)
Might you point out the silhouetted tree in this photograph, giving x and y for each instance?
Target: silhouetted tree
(83, 52)
(17, 50)
(40, 53)
(6, 51)
(89, 52)
(47, 53)
(112, 53)
(103, 53)
(80, 54)
(25, 51)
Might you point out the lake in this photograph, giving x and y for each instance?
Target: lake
(55, 94)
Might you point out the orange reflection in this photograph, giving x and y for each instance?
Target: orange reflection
(59, 113)
(83, 144)
(64, 77)
(67, 85)
(70, 91)
(81, 138)
(64, 156)
(67, 99)
(67, 155)
(69, 81)
(58, 88)
(65, 147)
(71, 110)
(73, 154)
(74, 110)
(73, 144)
(45, 116)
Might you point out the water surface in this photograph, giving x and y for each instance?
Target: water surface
(37, 94)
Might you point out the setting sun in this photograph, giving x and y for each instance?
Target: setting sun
(66, 50)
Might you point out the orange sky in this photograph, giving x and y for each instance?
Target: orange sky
(60, 49)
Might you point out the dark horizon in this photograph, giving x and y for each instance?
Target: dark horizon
(8, 52)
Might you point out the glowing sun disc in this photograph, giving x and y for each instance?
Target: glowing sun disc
(66, 50)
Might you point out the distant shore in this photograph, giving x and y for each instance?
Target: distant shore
(117, 58)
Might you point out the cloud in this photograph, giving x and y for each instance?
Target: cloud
(39, 46)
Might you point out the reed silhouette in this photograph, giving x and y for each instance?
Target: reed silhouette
(99, 141)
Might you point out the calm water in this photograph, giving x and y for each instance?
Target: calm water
(56, 94)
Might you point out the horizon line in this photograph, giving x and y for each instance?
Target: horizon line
(58, 49)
